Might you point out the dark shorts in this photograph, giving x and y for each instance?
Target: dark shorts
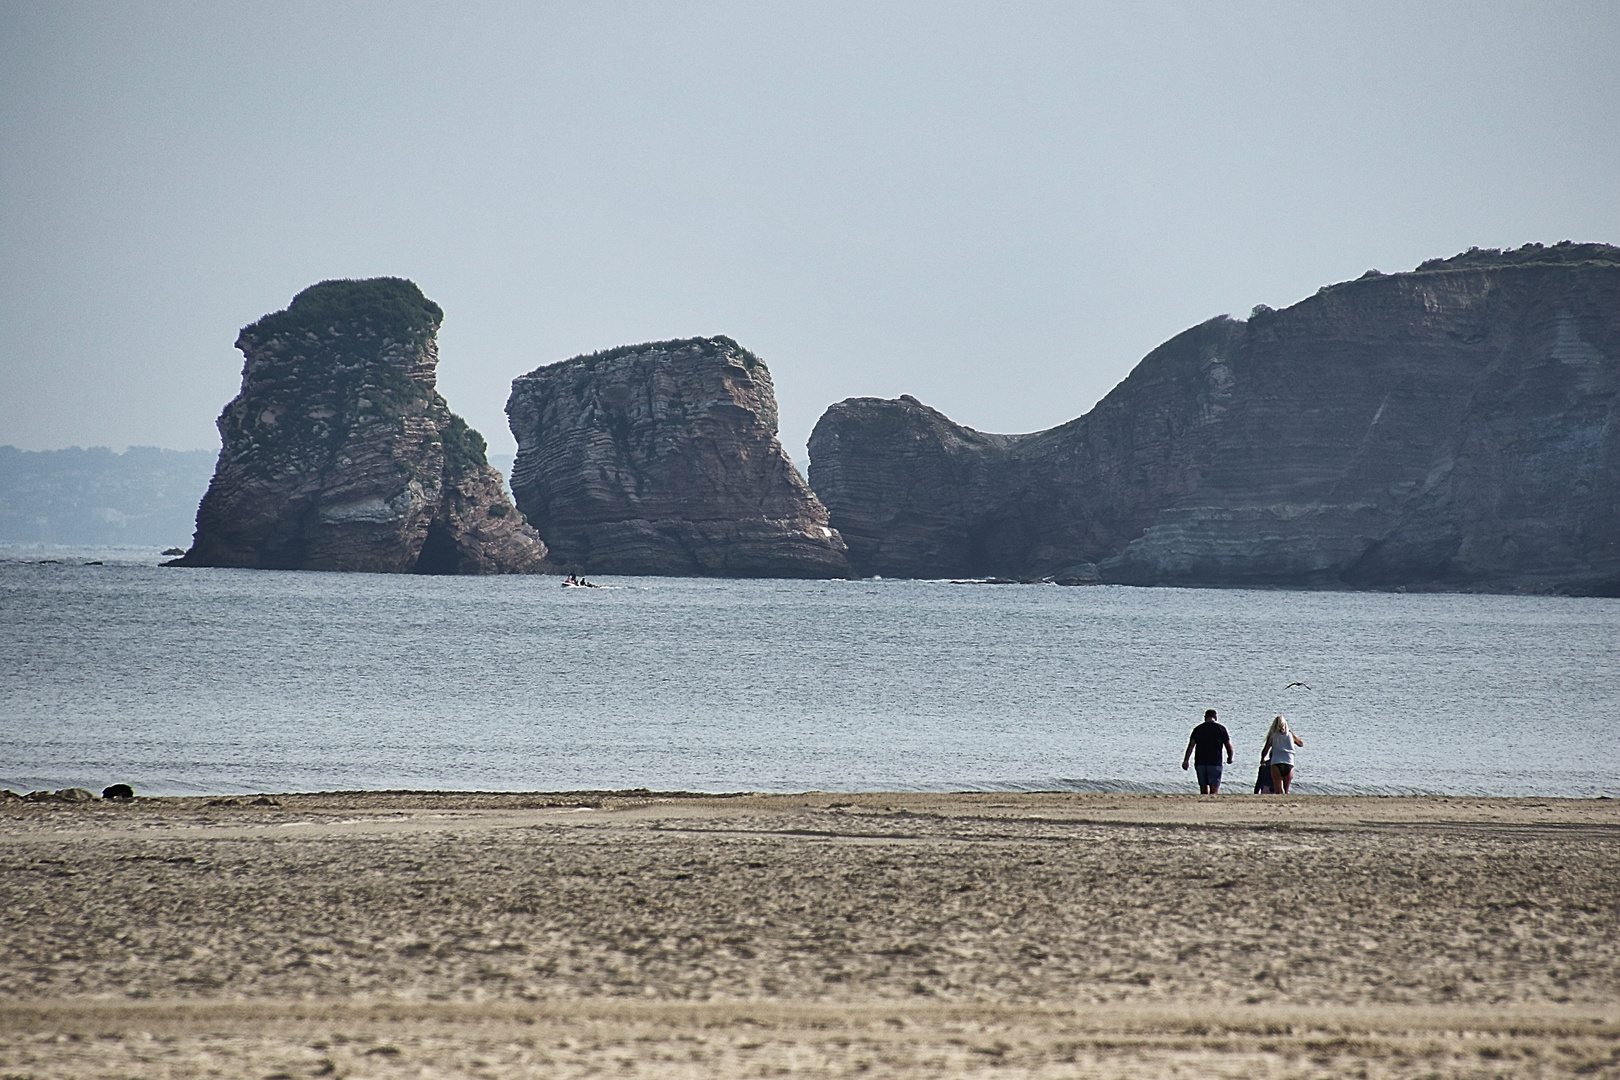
(1208, 775)
(1284, 770)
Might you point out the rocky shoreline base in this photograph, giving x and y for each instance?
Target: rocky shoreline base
(1030, 935)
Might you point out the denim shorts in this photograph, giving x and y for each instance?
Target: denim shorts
(1208, 775)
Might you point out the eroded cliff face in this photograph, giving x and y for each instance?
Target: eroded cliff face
(663, 459)
(916, 495)
(1452, 428)
(910, 486)
(339, 453)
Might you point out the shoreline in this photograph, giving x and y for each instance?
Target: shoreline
(1146, 803)
(1302, 788)
(897, 934)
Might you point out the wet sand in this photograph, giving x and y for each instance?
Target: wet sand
(1043, 935)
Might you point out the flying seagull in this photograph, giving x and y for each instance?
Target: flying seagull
(1291, 685)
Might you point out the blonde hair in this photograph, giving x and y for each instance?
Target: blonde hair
(1277, 724)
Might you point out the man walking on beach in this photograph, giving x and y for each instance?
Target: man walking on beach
(1208, 738)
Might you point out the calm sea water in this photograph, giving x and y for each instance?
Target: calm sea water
(221, 681)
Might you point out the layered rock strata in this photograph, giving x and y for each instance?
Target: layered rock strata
(663, 459)
(340, 454)
(1453, 427)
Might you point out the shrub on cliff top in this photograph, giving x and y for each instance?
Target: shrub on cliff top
(719, 341)
(389, 306)
(1564, 253)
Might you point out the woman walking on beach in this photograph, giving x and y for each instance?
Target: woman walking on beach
(1280, 742)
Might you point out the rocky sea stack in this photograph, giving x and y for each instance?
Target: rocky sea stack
(663, 459)
(1454, 427)
(339, 453)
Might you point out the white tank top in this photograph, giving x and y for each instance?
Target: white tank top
(1282, 748)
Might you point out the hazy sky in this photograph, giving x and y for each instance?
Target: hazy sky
(998, 207)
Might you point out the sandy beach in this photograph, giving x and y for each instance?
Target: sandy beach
(1019, 935)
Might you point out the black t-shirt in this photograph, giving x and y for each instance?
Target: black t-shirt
(1210, 739)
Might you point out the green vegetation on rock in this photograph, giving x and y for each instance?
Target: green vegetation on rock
(1564, 253)
(463, 448)
(749, 360)
(385, 307)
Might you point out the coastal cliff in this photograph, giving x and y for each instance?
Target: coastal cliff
(1447, 428)
(340, 454)
(663, 459)
(916, 495)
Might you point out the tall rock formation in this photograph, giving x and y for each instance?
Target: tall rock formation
(339, 453)
(1453, 427)
(663, 459)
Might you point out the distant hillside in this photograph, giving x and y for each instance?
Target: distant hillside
(144, 496)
